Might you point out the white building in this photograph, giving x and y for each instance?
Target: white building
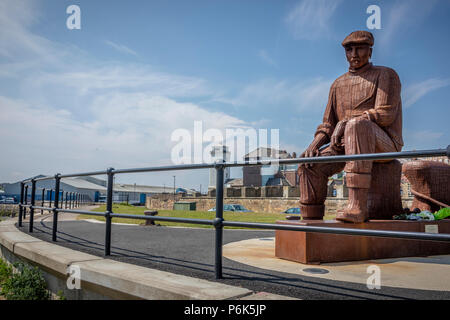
(93, 189)
(219, 153)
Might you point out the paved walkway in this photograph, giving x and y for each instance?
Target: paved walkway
(422, 273)
(249, 261)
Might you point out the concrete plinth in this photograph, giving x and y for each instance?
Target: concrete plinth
(314, 248)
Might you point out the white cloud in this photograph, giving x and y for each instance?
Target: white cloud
(402, 17)
(77, 113)
(264, 56)
(414, 92)
(311, 19)
(121, 48)
(292, 96)
(422, 139)
(134, 77)
(128, 130)
(16, 39)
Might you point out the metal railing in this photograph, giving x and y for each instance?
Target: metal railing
(72, 200)
(218, 222)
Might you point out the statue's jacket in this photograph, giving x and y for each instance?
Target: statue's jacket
(370, 90)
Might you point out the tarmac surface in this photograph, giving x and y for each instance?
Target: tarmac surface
(190, 251)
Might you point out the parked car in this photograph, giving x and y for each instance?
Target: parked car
(292, 211)
(8, 201)
(232, 207)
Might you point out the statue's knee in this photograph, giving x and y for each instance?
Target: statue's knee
(357, 125)
(358, 122)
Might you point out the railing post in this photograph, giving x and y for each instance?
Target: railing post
(26, 202)
(50, 199)
(55, 211)
(219, 219)
(33, 198)
(109, 200)
(42, 199)
(67, 193)
(22, 189)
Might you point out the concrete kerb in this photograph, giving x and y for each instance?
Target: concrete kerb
(113, 279)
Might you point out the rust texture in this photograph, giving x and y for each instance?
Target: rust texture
(313, 248)
(363, 115)
(430, 178)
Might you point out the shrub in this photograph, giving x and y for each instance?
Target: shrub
(61, 295)
(27, 283)
(5, 271)
(7, 212)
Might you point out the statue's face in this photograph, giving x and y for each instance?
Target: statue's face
(358, 55)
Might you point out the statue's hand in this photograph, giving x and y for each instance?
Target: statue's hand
(311, 151)
(337, 135)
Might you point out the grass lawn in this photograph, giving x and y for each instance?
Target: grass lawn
(231, 216)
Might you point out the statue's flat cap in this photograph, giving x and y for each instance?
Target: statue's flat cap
(359, 37)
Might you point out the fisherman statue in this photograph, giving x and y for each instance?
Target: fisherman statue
(363, 115)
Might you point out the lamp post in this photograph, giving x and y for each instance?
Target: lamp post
(174, 188)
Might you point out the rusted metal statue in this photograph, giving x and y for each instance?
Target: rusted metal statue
(430, 184)
(363, 115)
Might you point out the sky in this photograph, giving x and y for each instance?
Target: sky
(112, 93)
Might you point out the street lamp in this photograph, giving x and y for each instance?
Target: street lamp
(174, 188)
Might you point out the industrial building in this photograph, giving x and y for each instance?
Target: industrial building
(92, 189)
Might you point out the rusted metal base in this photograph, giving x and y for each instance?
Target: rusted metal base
(314, 248)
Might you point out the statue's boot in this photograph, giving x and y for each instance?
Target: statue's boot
(358, 187)
(356, 210)
(312, 211)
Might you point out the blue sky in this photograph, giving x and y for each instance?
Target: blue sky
(111, 93)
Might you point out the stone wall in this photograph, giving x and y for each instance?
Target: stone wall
(232, 192)
(269, 205)
(273, 205)
(251, 192)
